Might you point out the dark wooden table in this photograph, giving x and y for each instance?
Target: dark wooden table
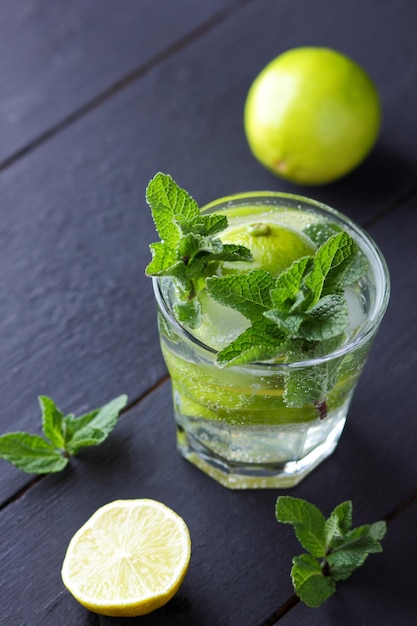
(95, 97)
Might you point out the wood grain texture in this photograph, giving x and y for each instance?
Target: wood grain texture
(55, 57)
(77, 315)
(232, 532)
(77, 318)
(382, 592)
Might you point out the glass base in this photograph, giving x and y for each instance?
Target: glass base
(235, 475)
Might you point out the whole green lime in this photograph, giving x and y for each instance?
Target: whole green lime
(312, 115)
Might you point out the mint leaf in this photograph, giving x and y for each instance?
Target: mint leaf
(31, 453)
(306, 303)
(209, 224)
(164, 261)
(255, 340)
(321, 232)
(188, 312)
(326, 319)
(296, 316)
(248, 293)
(189, 249)
(287, 295)
(331, 259)
(308, 522)
(311, 384)
(66, 434)
(339, 523)
(170, 206)
(309, 583)
(52, 422)
(353, 552)
(335, 549)
(94, 427)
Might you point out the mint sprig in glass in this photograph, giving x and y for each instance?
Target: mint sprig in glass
(267, 306)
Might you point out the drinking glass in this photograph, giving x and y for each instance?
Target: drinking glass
(233, 422)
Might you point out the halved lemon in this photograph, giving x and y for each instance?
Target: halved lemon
(128, 559)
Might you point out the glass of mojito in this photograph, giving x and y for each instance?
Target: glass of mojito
(268, 304)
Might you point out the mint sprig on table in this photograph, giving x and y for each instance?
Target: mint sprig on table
(189, 244)
(65, 436)
(334, 549)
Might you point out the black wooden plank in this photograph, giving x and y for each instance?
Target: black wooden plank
(77, 315)
(382, 592)
(77, 322)
(57, 56)
(230, 575)
(375, 465)
(216, 77)
(229, 583)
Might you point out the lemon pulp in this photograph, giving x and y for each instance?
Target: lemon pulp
(128, 559)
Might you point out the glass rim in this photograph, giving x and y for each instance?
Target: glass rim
(373, 254)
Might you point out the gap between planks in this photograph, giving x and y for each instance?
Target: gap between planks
(403, 197)
(97, 101)
(294, 600)
(124, 82)
(37, 479)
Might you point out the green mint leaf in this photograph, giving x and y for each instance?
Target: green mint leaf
(67, 435)
(329, 258)
(208, 225)
(309, 583)
(338, 524)
(353, 552)
(188, 312)
(92, 428)
(191, 245)
(287, 296)
(31, 453)
(255, 342)
(234, 252)
(170, 205)
(247, 293)
(314, 575)
(327, 319)
(343, 563)
(289, 324)
(164, 261)
(311, 384)
(320, 233)
(378, 530)
(52, 422)
(189, 249)
(347, 273)
(308, 522)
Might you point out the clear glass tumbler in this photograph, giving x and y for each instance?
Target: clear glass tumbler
(233, 422)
